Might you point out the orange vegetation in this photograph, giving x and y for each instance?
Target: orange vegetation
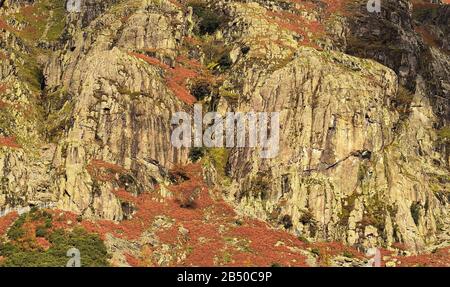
(4, 25)
(9, 142)
(123, 195)
(28, 239)
(202, 221)
(151, 60)
(6, 221)
(176, 82)
(104, 171)
(192, 41)
(176, 3)
(335, 6)
(438, 258)
(327, 250)
(211, 232)
(297, 24)
(133, 261)
(310, 30)
(428, 37)
(177, 78)
(43, 243)
(424, 4)
(266, 246)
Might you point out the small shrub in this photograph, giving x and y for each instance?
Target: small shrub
(23, 250)
(443, 135)
(287, 221)
(196, 153)
(315, 251)
(261, 186)
(209, 21)
(187, 197)
(303, 239)
(225, 61)
(16, 231)
(216, 54)
(348, 205)
(415, 211)
(41, 231)
(178, 175)
(306, 218)
(48, 223)
(402, 101)
(245, 50)
(218, 157)
(348, 254)
(92, 250)
(201, 90)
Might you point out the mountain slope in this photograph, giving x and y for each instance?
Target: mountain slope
(85, 125)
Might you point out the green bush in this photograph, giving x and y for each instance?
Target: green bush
(315, 251)
(92, 250)
(19, 253)
(415, 211)
(201, 90)
(16, 231)
(196, 153)
(348, 254)
(303, 239)
(41, 231)
(444, 135)
(48, 223)
(217, 54)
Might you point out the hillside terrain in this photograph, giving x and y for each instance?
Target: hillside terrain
(86, 160)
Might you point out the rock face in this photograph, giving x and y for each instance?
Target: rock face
(108, 111)
(87, 100)
(412, 41)
(353, 165)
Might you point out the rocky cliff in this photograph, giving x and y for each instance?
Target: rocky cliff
(87, 99)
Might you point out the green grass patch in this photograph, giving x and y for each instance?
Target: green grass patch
(20, 249)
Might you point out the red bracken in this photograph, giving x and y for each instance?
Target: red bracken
(6, 221)
(9, 142)
(104, 171)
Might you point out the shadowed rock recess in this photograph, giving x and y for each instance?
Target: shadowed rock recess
(87, 98)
